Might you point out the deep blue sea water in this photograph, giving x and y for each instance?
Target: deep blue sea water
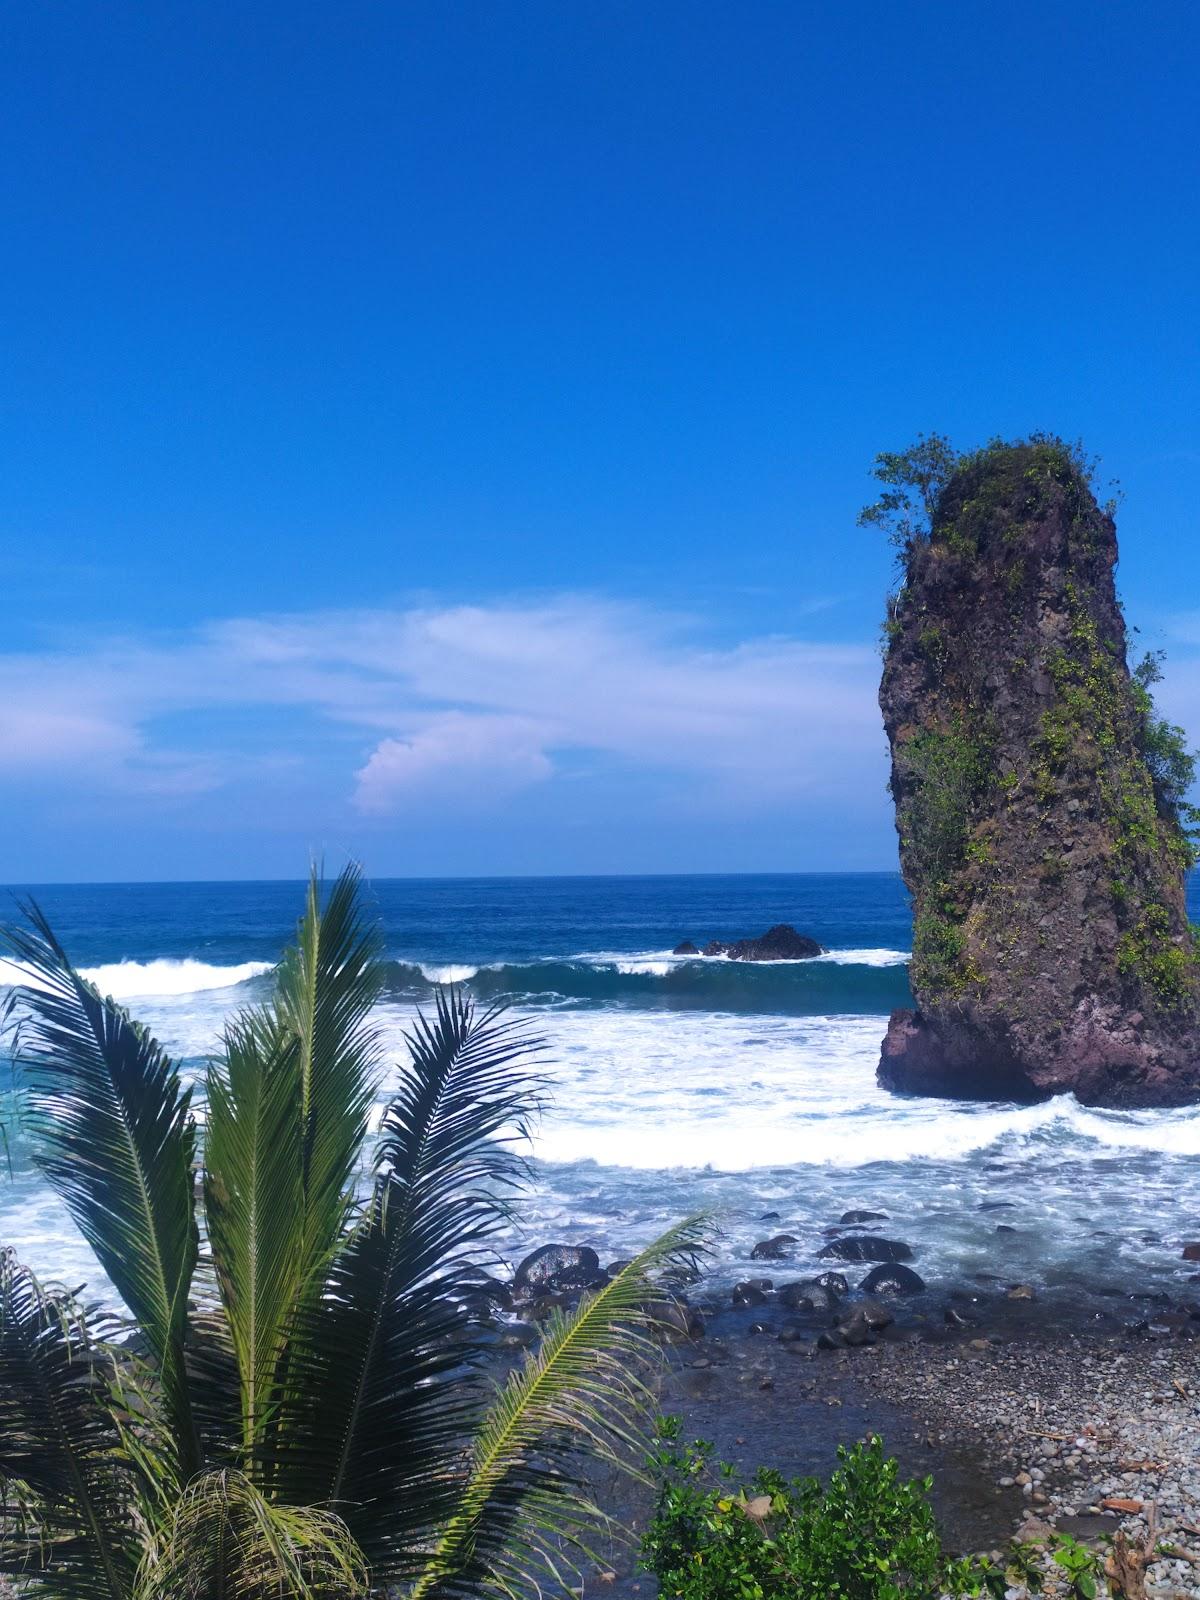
(679, 1084)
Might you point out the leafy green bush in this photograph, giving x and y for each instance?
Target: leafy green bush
(867, 1535)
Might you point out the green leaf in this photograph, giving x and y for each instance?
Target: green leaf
(60, 1450)
(379, 1397)
(226, 1541)
(115, 1138)
(581, 1393)
(254, 1202)
(328, 983)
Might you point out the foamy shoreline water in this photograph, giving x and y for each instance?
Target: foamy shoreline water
(680, 1083)
(772, 1124)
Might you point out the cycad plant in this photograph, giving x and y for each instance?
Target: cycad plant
(294, 1405)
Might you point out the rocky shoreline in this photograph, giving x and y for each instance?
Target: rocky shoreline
(1028, 1433)
(1034, 1413)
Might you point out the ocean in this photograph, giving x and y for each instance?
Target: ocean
(679, 1084)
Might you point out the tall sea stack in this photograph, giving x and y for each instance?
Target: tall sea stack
(1040, 836)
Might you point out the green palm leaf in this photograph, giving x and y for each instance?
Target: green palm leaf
(226, 1541)
(60, 1445)
(382, 1398)
(328, 983)
(289, 1098)
(116, 1140)
(582, 1393)
(254, 1201)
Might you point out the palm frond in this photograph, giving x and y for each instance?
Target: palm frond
(254, 1200)
(327, 985)
(582, 1393)
(68, 1497)
(381, 1397)
(225, 1539)
(114, 1136)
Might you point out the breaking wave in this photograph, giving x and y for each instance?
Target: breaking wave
(158, 979)
(851, 981)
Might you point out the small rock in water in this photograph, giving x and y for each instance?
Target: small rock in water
(808, 1294)
(863, 1216)
(780, 943)
(686, 948)
(892, 1279)
(559, 1266)
(1021, 1291)
(673, 1319)
(773, 1249)
(1191, 1252)
(833, 1281)
(748, 1294)
(877, 1316)
(866, 1247)
(856, 1330)
(769, 1216)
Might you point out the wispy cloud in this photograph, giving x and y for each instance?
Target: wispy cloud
(458, 705)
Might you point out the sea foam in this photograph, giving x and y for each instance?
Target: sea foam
(157, 979)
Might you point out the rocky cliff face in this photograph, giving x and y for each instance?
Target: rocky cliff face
(1051, 946)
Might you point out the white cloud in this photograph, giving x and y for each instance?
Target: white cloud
(36, 734)
(454, 756)
(457, 705)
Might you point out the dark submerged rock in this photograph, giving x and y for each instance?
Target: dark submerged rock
(833, 1281)
(748, 1294)
(892, 1279)
(866, 1247)
(483, 1290)
(558, 1266)
(809, 1294)
(1044, 856)
(878, 1317)
(848, 1217)
(687, 948)
(856, 1330)
(773, 1249)
(675, 1319)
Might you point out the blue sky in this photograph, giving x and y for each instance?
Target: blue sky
(434, 432)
